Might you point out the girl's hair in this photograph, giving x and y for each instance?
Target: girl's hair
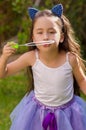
(69, 44)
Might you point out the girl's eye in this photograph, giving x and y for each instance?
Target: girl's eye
(52, 32)
(39, 32)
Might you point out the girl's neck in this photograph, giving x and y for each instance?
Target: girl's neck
(49, 56)
(53, 59)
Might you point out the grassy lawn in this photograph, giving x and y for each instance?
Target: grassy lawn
(12, 89)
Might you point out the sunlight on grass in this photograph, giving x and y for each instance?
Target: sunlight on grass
(12, 89)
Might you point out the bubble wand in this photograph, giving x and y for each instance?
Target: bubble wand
(38, 43)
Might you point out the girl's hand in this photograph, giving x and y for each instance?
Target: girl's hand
(8, 50)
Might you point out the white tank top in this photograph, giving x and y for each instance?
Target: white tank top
(53, 86)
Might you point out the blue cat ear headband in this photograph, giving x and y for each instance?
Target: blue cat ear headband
(56, 10)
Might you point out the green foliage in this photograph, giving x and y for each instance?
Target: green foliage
(23, 35)
(11, 17)
(48, 3)
(12, 89)
(22, 39)
(19, 6)
(76, 12)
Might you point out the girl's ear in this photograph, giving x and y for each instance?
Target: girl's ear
(62, 37)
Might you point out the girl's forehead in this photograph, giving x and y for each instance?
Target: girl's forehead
(46, 21)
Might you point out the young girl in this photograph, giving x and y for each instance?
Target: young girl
(52, 105)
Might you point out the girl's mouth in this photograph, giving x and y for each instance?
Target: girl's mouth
(46, 45)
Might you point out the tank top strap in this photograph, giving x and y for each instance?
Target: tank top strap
(36, 53)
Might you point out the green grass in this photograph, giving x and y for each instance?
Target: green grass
(12, 89)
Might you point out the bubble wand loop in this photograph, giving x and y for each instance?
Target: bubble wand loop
(38, 43)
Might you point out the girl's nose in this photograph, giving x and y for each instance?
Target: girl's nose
(45, 36)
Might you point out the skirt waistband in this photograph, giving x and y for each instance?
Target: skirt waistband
(54, 107)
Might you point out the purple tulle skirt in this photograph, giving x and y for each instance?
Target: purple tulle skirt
(30, 114)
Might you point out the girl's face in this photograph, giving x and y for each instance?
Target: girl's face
(46, 28)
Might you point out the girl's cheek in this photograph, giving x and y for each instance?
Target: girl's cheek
(37, 37)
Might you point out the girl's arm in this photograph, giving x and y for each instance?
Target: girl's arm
(3, 69)
(23, 61)
(78, 72)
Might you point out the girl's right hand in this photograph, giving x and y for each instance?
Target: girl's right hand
(8, 50)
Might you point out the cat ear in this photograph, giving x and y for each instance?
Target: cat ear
(32, 12)
(57, 10)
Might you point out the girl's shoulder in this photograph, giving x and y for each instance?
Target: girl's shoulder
(30, 53)
(30, 57)
(73, 59)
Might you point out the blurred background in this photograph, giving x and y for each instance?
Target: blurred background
(15, 26)
(15, 23)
